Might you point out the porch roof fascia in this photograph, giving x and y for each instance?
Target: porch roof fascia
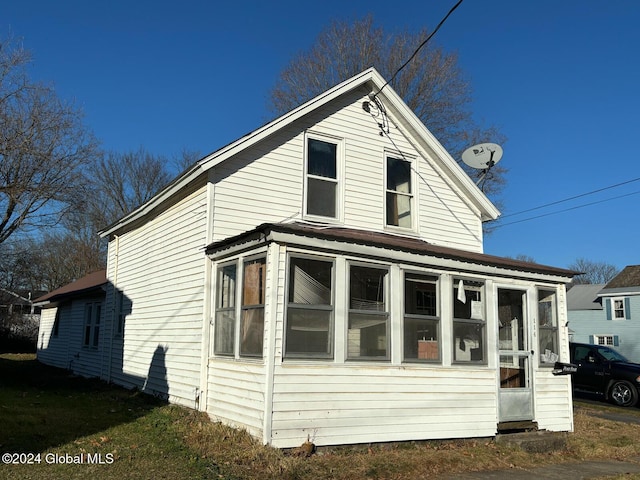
(386, 246)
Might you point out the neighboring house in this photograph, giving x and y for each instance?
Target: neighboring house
(17, 302)
(70, 325)
(608, 314)
(19, 319)
(322, 278)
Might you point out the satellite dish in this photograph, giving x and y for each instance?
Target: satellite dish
(482, 156)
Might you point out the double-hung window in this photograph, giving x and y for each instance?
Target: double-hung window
(322, 192)
(421, 318)
(469, 322)
(309, 329)
(399, 196)
(92, 312)
(368, 330)
(254, 274)
(548, 327)
(225, 318)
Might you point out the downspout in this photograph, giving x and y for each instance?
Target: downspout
(114, 313)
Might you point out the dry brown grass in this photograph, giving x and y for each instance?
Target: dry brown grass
(44, 410)
(238, 455)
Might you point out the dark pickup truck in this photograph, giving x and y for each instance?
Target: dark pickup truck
(603, 370)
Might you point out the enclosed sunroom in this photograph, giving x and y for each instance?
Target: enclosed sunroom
(342, 336)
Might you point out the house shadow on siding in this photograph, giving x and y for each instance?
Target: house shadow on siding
(71, 366)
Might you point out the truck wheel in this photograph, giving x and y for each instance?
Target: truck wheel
(623, 394)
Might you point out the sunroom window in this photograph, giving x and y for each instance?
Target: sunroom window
(309, 329)
(421, 318)
(225, 320)
(399, 194)
(322, 178)
(548, 327)
(252, 316)
(468, 321)
(368, 330)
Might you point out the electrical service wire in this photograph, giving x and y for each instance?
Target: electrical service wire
(419, 47)
(499, 225)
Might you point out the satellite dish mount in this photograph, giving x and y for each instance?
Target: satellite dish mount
(482, 157)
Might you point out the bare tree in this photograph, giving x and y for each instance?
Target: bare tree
(593, 272)
(432, 84)
(43, 146)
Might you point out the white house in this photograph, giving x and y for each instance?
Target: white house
(323, 278)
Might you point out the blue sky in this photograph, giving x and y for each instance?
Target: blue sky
(559, 78)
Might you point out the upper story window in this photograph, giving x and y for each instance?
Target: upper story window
(421, 318)
(617, 308)
(399, 196)
(309, 329)
(322, 167)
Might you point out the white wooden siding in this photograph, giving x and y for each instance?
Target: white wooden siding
(53, 350)
(160, 269)
(553, 405)
(265, 183)
(67, 349)
(331, 404)
(236, 394)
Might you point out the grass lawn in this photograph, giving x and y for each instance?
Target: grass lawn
(44, 411)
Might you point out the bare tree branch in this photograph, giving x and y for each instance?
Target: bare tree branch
(432, 84)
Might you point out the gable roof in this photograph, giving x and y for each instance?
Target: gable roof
(627, 281)
(369, 78)
(89, 283)
(265, 232)
(584, 297)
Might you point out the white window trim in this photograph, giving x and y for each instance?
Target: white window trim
(436, 280)
(387, 313)
(332, 307)
(470, 321)
(413, 195)
(605, 338)
(613, 308)
(339, 181)
(239, 262)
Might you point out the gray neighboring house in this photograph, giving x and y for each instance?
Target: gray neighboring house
(608, 314)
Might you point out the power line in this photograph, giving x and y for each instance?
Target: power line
(570, 198)
(419, 47)
(565, 210)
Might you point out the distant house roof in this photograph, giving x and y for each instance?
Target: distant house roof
(87, 284)
(386, 240)
(17, 297)
(584, 297)
(626, 282)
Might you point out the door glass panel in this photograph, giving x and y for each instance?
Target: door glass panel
(510, 320)
(513, 371)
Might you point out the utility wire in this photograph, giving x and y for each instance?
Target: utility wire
(419, 47)
(570, 198)
(494, 227)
